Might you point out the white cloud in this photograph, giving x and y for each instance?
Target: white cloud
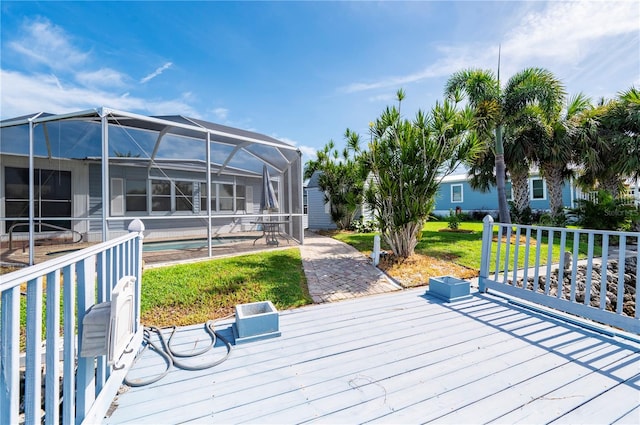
(569, 32)
(46, 44)
(308, 152)
(221, 113)
(563, 34)
(25, 94)
(157, 72)
(387, 97)
(105, 77)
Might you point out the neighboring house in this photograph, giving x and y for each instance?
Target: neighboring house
(456, 192)
(318, 211)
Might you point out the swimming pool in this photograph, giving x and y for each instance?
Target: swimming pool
(182, 244)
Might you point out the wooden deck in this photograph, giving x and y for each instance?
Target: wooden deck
(399, 358)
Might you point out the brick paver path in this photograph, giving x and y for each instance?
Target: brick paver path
(337, 271)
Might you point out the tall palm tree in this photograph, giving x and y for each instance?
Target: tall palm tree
(558, 151)
(553, 141)
(481, 172)
(496, 109)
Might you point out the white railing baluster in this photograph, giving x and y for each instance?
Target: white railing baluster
(587, 289)
(498, 249)
(525, 274)
(563, 243)
(101, 363)
(33, 363)
(574, 265)
(10, 356)
(547, 283)
(69, 367)
(515, 257)
(85, 392)
(507, 248)
(621, 265)
(603, 271)
(52, 377)
(536, 271)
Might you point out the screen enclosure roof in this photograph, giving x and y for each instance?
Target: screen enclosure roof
(158, 139)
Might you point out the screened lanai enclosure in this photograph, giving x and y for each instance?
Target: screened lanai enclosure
(84, 176)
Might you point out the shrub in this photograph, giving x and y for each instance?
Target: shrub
(525, 216)
(363, 226)
(454, 220)
(607, 213)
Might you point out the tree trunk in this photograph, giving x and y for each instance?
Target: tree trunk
(503, 207)
(555, 181)
(611, 185)
(520, 189)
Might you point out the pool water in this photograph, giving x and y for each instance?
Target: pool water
(190, 243)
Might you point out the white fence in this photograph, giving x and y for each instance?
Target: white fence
(77, 281)
(599, 287)
(628, 198)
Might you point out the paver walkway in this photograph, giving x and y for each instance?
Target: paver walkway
(337, 271)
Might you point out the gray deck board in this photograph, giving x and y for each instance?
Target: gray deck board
(398, 358)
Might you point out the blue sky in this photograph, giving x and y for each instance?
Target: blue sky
(302, 72)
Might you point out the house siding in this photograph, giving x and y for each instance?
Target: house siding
(317, 217)
(187, 225)
(474, 200)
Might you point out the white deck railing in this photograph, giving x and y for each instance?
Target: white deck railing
(562, 280)
(74, 283)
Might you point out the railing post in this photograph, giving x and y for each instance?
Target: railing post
(487, 234)
(137, 226)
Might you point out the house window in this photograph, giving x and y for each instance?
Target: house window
(538, 189)
(184, 196)
(203, 197)
(225, 192)
(160, 195)
(52, 197)
(136, 199)
(223, 197)
(305, 201)
(240, 198)
(117, 196)
(456, 193)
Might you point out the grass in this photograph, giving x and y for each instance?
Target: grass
(194, 293)
(462, 248)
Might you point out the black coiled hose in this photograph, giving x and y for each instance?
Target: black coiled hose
(169, 355)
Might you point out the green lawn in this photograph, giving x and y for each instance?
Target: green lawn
(461, 248)
(194, 293)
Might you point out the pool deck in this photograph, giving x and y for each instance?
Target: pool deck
(20, 253)
(398, 357)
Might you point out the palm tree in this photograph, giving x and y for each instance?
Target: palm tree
(611, 142)
(552, 142)
(482, 178)
(497, 109)
(557, 152)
